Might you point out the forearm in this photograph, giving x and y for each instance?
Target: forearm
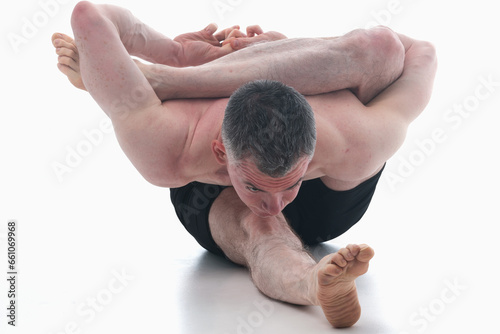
(141, 40)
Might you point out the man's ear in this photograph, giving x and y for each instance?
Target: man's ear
(219, 152)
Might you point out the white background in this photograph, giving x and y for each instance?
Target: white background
(436, 224)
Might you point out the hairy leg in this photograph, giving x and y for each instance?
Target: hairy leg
(279, 265)
(365, 61)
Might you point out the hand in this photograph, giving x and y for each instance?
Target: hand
(201, 47)
(255, 34)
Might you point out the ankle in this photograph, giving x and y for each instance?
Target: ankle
(313, 285)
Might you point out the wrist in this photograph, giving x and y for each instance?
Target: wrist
(178, 58)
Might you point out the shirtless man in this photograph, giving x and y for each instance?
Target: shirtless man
(241, 211)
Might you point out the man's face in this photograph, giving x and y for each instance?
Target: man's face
(264, 195)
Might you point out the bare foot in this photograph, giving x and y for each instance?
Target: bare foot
(68, 61)
(337, 293)
(68, 64)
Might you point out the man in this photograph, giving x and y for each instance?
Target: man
(329, 149)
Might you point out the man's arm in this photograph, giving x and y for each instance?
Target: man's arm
(409, 95)
(150, 134)
(365, 61)
(371, 134)
(386, 118)
(189, 49)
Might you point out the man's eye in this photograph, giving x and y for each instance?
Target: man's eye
(252, 189)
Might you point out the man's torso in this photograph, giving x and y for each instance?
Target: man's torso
(340, 159)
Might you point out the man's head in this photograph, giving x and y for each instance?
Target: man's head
(268, 140)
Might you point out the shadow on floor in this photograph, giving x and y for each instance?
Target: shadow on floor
(218, 296)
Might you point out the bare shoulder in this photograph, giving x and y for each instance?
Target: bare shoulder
(354, 141)
(157, 139)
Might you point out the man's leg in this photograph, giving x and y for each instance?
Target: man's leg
(365, 61)
(279, 265)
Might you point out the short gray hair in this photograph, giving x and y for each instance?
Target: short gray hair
(270, 123)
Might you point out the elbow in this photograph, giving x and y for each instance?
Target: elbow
(85, 16)
(81, 14)
(165, 178)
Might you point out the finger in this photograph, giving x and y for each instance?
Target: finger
(223, 34)
(227, 41)
(238, 43)
(254, 30)
(211, 29)
(225, 50)
(242, 42)
(236, 34)
(221, 52)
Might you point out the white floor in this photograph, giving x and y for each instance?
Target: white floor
(101, 251)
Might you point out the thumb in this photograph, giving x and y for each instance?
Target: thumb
(211, 28)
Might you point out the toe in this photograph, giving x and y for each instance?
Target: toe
(65, 69)
(347, 254)
(66, 38)
(354, 249)
(65, 52)
(56, 36)
(333, 270)
(67, 63)
(366, 253)
(339, 259)
(329, 273)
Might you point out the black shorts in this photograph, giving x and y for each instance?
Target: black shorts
(317, 214)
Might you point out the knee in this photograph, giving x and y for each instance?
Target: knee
(387, 45)
(379, 45)
(387, 39)
(257, 227)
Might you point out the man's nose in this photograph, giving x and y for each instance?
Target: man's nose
(273, 205)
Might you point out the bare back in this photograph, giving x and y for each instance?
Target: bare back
(341, 158)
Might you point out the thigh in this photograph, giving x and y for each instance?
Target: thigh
(193, 203)
(242, 235)
(320, 214)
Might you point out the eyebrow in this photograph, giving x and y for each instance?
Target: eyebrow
(300, 180)
(251, 185)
